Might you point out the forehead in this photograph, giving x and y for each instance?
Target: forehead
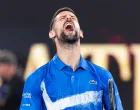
(63, 13)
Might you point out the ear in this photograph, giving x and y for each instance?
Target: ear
(81, 34)
(52, 34)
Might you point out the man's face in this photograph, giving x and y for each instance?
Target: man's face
(7, 71)
(66, 27)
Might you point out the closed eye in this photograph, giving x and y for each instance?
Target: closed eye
(73, 17)
(62, 17)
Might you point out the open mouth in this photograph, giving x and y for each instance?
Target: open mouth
(69, 27)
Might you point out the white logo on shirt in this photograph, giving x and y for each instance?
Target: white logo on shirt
(26, 95)
(94, 97)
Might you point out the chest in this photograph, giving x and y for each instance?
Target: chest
(66, 89)
(66, 83)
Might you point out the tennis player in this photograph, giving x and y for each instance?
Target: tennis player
(68, 81)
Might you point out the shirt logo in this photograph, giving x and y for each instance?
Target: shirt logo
(26, 95)
(82, 99)
(92, 82)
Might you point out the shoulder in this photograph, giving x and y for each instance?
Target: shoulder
(33, 81)
(37, 76)
(100, 71)
(103, 74)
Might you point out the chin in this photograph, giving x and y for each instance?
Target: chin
(69, 37)
(70, 33)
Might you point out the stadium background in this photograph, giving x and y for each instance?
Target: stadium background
(25, 22)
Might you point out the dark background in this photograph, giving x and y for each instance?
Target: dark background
(24, 22)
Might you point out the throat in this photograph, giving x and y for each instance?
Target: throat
(69, 57)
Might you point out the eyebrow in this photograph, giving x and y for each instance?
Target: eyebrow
(63, 16)
(66, 15)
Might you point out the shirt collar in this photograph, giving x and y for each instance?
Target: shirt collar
(60, 65)
(82, 63)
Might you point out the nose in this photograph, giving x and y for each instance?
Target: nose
(69, 18)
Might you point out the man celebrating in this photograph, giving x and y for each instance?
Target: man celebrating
(68, 81)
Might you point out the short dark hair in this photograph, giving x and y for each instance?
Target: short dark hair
(8, 57)
(57, 12)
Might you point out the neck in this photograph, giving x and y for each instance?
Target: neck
(69, 54)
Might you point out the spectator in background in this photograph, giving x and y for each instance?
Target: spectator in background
(11, 81)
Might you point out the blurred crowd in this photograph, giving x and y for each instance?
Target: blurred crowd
(11, 81)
